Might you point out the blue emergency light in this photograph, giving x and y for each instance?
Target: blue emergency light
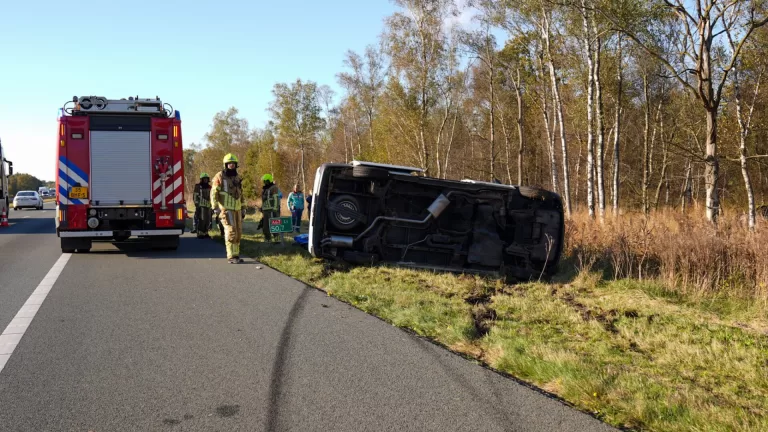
(178, 115)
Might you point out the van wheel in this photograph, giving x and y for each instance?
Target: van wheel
(344, 212)
(372, 173)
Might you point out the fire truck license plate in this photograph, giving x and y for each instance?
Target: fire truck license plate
(78, 193)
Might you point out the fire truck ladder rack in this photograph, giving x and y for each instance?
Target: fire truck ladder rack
(90, 105)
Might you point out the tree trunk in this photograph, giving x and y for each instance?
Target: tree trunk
(370, 127)
(344, 131)
(664, 165)
(578, 170)
(450, 143)
(744, 129)
(357, 137)
(550, 128)
(493, 121)
(560, 119)
(646, 143)
(597, 52)
(303, 170)
(687, 187)
(617, 131)
(712, 168)
(439, 138)
(590, 109)
(520, 136)
(505, 131)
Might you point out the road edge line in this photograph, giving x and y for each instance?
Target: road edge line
(11, 336)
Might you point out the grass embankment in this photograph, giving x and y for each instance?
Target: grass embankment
(684, 351)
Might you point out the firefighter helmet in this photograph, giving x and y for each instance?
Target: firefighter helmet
(267, 177)
(230, 158)
(204, 175)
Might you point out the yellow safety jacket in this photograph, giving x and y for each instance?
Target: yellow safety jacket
(227, 192)
(270, 200)
(202, 195)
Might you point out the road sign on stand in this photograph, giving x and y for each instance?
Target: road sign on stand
(281, 225)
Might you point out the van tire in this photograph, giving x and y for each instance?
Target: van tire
(533, 193)
(339, 219)
(373, 173)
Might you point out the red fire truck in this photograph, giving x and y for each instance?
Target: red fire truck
(120, 173)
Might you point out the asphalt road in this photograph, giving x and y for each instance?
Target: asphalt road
(130, 339)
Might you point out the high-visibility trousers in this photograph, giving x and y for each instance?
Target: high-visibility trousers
(233, 231)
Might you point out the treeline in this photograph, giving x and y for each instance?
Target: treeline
(23, 181)
(617, 105)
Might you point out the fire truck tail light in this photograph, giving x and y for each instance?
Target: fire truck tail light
(180, 214)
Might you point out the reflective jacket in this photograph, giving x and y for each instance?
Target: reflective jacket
(270, 199)
(227, 192)
(202, 195)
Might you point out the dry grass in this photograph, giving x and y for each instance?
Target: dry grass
(685, 252)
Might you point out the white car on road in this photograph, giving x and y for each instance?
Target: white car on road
(29, 199)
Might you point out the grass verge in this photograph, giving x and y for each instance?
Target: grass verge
(633, 353)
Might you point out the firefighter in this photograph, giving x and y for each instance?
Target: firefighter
(227, 195)
(270, 204)
(201, 224)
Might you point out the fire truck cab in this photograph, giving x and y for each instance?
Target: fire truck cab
(120, 173)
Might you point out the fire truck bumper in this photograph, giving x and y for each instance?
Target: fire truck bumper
(111, 234)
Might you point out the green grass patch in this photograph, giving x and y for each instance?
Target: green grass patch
(633, 353)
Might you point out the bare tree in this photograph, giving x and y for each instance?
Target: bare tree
(701, 26)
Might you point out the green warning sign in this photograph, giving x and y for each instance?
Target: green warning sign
(283, 224)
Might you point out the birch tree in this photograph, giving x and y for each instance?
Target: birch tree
(702, 26)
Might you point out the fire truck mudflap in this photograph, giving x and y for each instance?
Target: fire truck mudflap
(120, 173)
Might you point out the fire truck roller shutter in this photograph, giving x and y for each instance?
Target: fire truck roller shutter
(120, 167)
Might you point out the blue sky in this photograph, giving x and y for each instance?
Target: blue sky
(200, 56)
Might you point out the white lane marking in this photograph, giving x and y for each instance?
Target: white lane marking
(12, 334)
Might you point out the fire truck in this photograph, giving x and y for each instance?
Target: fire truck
(6, 170)
(120, 173)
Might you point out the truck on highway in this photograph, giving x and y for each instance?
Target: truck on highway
(6, 170)
(120, 173)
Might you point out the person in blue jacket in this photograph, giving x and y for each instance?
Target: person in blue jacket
(296, 205)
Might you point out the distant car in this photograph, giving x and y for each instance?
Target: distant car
(368, 213)
(27, 199)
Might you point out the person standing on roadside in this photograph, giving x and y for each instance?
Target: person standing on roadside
(227, 196)
(296, 205)
(270, 204)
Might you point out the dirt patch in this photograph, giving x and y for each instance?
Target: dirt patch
(483, 315)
